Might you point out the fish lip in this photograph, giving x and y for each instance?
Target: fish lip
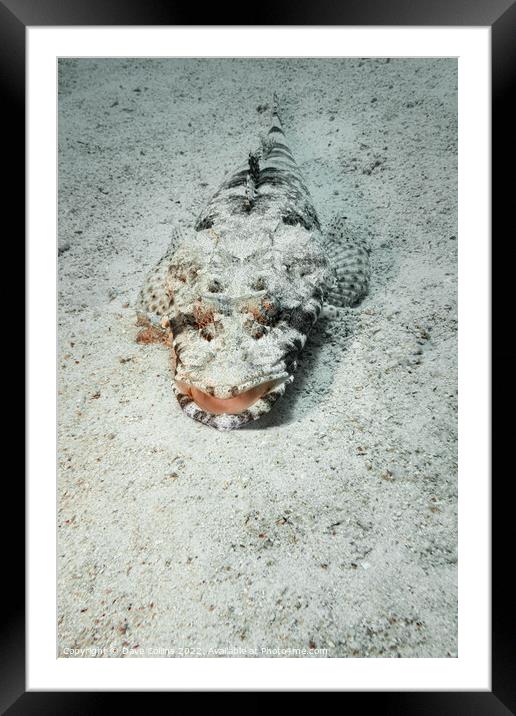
(226, 392)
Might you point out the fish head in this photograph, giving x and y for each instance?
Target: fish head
(240, 318)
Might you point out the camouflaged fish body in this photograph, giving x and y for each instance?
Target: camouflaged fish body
(237, 295)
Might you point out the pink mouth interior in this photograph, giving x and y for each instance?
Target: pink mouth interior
(226, 405)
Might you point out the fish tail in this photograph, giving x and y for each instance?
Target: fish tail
(275, 135)
(270, 177)
(275, 113)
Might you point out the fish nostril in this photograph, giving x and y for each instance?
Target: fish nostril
(259, 284)
(214, 286)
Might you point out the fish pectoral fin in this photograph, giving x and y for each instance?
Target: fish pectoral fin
(347, 246)
(155, 298)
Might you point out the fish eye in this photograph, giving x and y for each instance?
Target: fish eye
(305, 270)
(207, 332)
(263, 309)
(256, 330)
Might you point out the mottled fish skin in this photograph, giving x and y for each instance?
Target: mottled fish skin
(237, 295)
(279, 192)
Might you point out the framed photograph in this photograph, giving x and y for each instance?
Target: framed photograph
(258, 298)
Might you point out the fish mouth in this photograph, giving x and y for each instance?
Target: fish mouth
(241, 400)
(229, 413)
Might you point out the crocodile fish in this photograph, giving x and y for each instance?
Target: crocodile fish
(236, 295)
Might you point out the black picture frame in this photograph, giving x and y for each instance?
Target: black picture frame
(500, 15)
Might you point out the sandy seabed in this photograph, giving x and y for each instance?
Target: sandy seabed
(329, 527)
